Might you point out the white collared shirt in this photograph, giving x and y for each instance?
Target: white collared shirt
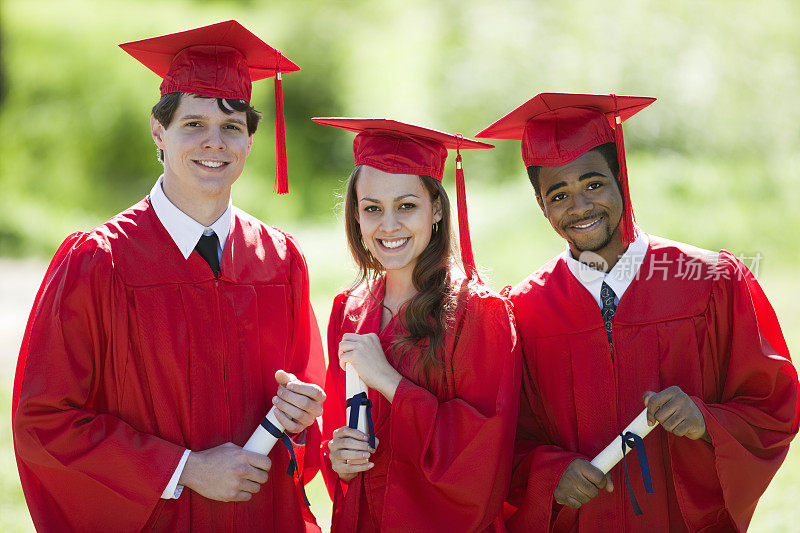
(185, 232)
(618, 278)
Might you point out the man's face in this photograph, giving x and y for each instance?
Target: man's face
(582, 201)
(204, 148)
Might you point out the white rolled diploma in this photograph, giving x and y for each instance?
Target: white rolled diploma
(612, 454)
(261, 441)
(352, 386)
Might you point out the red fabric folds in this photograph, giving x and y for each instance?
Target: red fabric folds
(708, 331)
(444, 453)
(400, 154)
(210, 70)
(133, 354)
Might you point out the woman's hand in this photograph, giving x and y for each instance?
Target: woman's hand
(366, 355)
(350, 452)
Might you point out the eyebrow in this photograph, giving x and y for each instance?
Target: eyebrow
(397, 199)
(204, 117)
(583, 177)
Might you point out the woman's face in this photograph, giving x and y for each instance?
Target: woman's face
(396, 215)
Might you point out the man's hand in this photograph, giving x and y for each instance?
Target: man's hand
(676, 413)
(349, 452)
(226, 473)
(298, 403)
(579, 483)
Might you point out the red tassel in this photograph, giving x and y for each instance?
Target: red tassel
(463, 222)
(281, 171)
(626, 226)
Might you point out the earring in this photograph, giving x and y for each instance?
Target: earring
(435, 227)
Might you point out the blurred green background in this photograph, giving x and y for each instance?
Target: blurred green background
(715, 161)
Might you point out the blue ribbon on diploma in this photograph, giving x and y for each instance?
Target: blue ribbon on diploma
(355, 404)
(284, 438)
(634, 441)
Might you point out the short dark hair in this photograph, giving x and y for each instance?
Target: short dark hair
(607, 150)
(164, 111)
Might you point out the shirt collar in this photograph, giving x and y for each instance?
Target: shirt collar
(184, 230)
(618, 278)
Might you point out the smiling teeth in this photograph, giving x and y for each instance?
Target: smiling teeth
(393, 244)
(584, 226)
(212, 164)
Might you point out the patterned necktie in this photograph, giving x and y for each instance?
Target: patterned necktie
(207, 247)
(608, 297)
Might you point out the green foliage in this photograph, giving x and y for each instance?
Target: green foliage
(77, 147)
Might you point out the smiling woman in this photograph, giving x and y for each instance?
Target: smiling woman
(398, 225)
(435, 346)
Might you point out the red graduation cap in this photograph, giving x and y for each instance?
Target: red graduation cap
(400, 148)
(555, 128)
(219, 61)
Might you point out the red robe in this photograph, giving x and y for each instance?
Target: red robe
(133, 353)
(443, 462)
(716, 337)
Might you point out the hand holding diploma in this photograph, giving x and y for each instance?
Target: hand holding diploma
(366, 355)
(350, 452)
(297, 404)
(677, 413)
(230, 473)
(580, 482)
(673, 409)
(582, 479)
(304, 399)
(226, 473)
(612, 454)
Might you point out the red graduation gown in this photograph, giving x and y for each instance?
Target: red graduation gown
(716, 337)
(133, 353)
(443, 462)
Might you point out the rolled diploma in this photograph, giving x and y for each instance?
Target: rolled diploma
(352, 386)
(612, 454)
(261, 441)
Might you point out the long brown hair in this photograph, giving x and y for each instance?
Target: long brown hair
(428, 313)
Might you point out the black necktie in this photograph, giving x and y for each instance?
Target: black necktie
(207, 247)
(607, 297)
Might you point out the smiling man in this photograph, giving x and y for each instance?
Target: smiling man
(160, 339)
(624, 321)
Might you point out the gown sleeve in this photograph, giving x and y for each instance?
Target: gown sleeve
(750, 405)
(306, 358)
(451, 460)
(66, 448)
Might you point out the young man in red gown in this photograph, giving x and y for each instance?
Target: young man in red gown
(160, 339)
(623, 321)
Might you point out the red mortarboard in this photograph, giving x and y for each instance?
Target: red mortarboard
(400, 148)
(555, 128)
(219, 61)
